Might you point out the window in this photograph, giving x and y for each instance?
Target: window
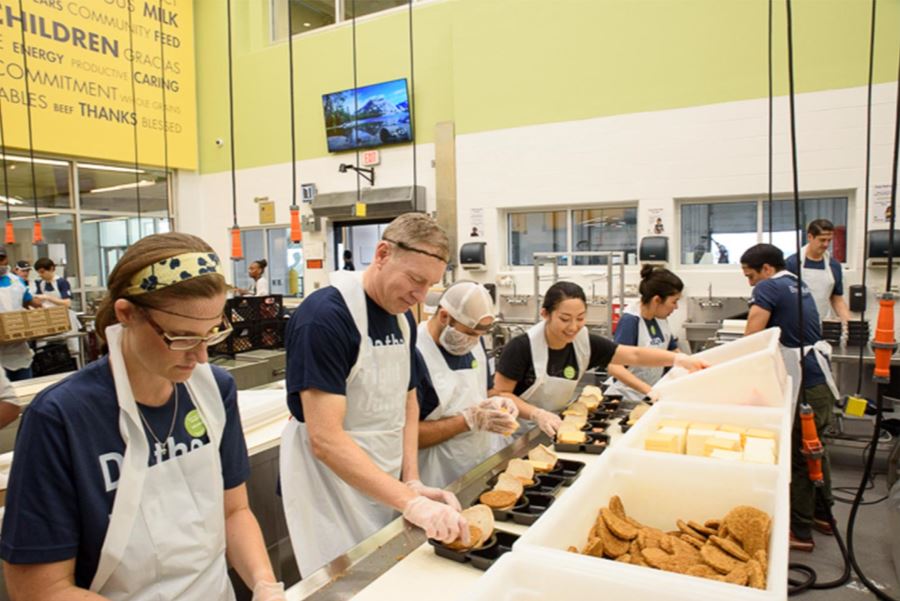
(105, 239)
(112, 188)
(308, 15)
(51, 182)
(284, 271)
(720, 232)
(58, 232)
(594, 229)
(367, 7)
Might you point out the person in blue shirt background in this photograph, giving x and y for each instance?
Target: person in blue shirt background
(129, 475)
(15, 357)
(645, 324)
(774, 303)
(826, 285)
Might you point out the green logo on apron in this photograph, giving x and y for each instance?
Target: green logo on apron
(569, 372)
(194, 425)
(474, 363)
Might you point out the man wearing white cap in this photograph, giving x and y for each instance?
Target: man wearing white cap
(460, 426)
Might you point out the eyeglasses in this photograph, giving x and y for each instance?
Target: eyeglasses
(186, 343)
(413, 249)
(479, 331)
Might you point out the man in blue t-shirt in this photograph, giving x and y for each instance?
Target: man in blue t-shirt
(826, 285)
(774, 303)
(15, 357)
(349, 455)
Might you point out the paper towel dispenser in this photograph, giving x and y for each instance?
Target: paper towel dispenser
(654, 249)
(471, 256)
(879, 246)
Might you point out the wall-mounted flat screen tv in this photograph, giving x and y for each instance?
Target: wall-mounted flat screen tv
(378, 115)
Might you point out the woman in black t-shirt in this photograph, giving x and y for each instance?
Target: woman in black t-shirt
(543, 367)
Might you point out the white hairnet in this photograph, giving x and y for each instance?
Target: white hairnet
(468, 303)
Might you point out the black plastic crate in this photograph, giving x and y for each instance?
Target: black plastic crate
(245, 309)
(268, 334)
(52, 359)
(251, 337)
(240, 341)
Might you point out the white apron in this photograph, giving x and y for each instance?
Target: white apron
(650, 375)
(71, 343)
(792, 360)
(14, 355)
(441, 464)
(550, 392)
(326, 516)
(820, 283)
(166, 536)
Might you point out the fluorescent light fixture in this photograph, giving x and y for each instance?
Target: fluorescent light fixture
(110, 168)
(11, 201)
(25, 217)
(141, 184)
(19, 159)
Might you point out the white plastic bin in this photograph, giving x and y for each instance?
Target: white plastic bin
(658, 489)
(776, 420)
(747, 371)
(530, 575)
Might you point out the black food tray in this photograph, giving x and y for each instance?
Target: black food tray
(500, 542)
(586, 447)
(543, 483)
(567, 469)
(623, 424)
(596, 423)
(529, 508)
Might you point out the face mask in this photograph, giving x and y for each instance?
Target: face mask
(4, 269)
(455, 342)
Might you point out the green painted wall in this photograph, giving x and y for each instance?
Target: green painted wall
(494, 64)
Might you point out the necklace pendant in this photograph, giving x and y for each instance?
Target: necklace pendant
(164, 450)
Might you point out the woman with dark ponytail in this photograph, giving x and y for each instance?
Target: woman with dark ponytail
(644, 324)
(260, 283)
(542, 368)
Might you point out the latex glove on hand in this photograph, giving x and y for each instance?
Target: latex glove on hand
(652, 396)
(505, 405)
(439, 521)
(435, 494)
(268, 591)
(487, 416)
(548, 422)
(689, 363)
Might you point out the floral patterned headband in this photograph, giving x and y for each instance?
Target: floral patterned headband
(172, 271)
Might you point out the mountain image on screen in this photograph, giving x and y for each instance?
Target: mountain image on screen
(378, 115)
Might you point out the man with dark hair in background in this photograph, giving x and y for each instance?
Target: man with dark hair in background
(774, 303)
(822, 272)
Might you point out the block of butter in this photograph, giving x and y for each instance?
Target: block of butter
(680, 435)
(727, 441)
(759, 433)
(697, 435)
(759, 450)
(726, 455)
(672, 423)
(662, 442)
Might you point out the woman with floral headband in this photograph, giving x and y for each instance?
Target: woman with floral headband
(129, 476)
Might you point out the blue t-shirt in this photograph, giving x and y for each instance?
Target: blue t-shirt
(838, 290)
(322, 343)
(6, 282)
(779, 297)
(628, 328)
(65, 290)
(66, 468)
(427, 395)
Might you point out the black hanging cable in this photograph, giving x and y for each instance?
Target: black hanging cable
(5, 161)
(412, 105)
(137, 170)
(38, 236)
(355, 105)
(293, 124)
(162, 74)
(236, 251)
(771, 92)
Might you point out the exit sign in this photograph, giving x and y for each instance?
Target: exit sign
(371, 157)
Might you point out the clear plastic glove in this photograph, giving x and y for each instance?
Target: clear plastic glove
(689, 363)
(269, 591)
(548, 422)
(506, 405)
(439, 521)
(488, 416)
(435, 494)
(652, 396)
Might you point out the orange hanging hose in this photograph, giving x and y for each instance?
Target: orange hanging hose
(812, 447)
(237, 251)
(296, 231)
(38, 237)
(10, 233)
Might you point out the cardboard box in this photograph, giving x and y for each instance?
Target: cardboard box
(28, 324)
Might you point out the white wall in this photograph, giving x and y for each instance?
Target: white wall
(649, 159)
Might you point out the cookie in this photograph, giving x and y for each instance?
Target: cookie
(718, 559)
(613, 546)
(701, 570)
(656, 558)
(713, 524)
(618, 526)
(763, 558)
(649, 538)
(750, 526)
(616, 506)
(684, 528)
(499, 499)
(738, 575)
(756, 577)
(731, 548)
(701, 528)
(594, 547)
(691, 540)
(572, 549)
(624, 558)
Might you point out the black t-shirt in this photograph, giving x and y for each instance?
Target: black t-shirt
(516, 364)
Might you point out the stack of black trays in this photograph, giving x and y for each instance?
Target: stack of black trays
(52, 359)
(831, 331)
(258, 323)
(858, 333)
